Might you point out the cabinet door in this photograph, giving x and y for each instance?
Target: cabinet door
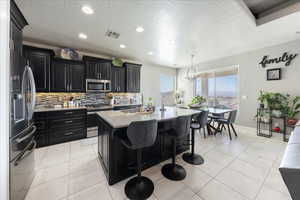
(114, 79)
(16, 57)
(122, 79)
(92, 70)
(40, 65)
(132, 78)
(104, 69)
(59, 77)
(76, 78)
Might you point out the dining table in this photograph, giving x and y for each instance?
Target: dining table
(213, 111)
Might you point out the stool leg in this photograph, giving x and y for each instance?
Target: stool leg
(193, 141)
(139, 162)
(191, 157)
(174, 151)
(233, 129)
(139, 187)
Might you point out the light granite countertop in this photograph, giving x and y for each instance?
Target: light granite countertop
(119, 119)
(49, 109)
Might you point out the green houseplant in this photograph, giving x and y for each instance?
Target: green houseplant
(293, 110)
(197, 101)
(263, 96)
(118, 62)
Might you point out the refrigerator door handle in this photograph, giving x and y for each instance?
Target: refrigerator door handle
(33, 90)
(23, 155)
(19, 140)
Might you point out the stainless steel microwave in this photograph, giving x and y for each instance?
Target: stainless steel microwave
(94, 85)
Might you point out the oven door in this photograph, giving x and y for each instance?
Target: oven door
(95, 85)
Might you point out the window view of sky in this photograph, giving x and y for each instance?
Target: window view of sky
(166, 83)
(224, 86)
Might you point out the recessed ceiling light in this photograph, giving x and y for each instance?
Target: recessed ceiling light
(172, 42)
(82, 36)
(122, 46)
(139, 29)
(150, 53)
(87, 10)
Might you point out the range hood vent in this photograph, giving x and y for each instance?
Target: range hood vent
(112, 34)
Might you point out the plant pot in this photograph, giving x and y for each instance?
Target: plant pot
(262, 106)
(276, 113)
(292, 122)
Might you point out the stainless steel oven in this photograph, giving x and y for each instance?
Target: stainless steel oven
(94, 85)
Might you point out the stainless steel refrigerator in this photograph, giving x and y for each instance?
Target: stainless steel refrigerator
(22, 129)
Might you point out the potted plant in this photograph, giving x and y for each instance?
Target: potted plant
(278, 103)
(197, 101)
(263, 96)
(293, 110)
(118, 62)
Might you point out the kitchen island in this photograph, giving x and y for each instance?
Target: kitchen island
(119, 162)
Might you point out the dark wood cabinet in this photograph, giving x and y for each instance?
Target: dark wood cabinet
(97, 68)
(40, 61)
(67, 76)
(17, 64)
(133, 77)
(76, 77)
(118, 79)
(55, 127)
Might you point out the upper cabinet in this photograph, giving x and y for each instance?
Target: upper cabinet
(133, 77)
(40, 61)
(67, 76)
(97, 68)
(17, 64)
(118, 79)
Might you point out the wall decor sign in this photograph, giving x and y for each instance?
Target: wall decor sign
(273, 74)
(286, 58)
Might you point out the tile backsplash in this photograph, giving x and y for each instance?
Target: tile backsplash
(52, 99)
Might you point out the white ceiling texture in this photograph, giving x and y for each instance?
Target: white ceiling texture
(174, 29)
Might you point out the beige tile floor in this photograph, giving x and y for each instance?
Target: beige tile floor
(242, 169)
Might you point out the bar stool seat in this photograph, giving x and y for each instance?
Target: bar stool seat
(140, 134)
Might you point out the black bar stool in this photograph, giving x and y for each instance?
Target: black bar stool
(172, 170)
(201, 123)
(140, 134)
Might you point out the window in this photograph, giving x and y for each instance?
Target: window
(219, 88)
(167, 88)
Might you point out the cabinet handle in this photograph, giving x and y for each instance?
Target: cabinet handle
(70, 133)
(69, 113)
(67, 122)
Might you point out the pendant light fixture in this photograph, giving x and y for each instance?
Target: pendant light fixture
(190, 71)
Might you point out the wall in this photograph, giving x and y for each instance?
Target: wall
(150, 74)
(150, 81)
(252, 77)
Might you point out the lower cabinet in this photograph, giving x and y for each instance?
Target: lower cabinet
(59, 126)
(103, 144)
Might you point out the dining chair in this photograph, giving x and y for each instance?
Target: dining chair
(229, 122)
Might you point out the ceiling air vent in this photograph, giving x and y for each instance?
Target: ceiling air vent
(112, 34)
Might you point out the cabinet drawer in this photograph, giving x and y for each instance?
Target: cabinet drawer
(67, 113)
(67, 135)
(56, 123)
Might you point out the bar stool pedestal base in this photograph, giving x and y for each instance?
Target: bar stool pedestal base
(173, 172)
(139, 187)
(193, 159)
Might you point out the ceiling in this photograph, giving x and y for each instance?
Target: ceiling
(174, 29)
